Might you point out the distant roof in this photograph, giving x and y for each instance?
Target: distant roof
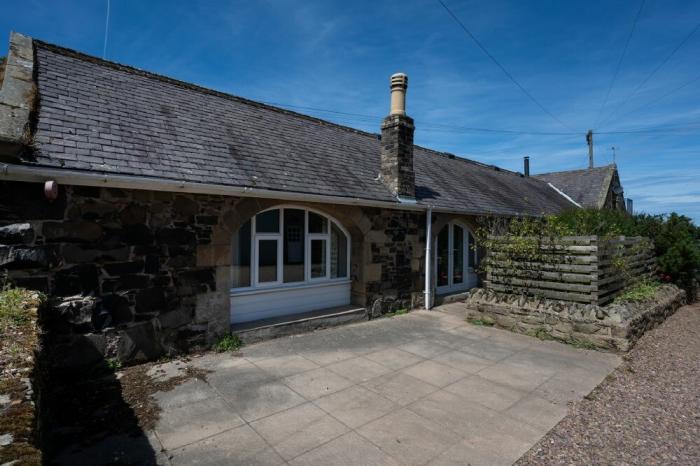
(588, 187)
(100, 116)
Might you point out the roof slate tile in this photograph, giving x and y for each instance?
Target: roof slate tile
(137, 123)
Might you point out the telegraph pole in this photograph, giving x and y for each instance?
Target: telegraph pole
(589, 140)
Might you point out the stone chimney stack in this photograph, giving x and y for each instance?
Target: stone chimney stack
(526, 162)
(397, 143)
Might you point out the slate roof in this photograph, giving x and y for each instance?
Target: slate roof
(589, 187)
(104, 117)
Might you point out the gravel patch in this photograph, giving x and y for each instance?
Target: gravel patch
(646, 412)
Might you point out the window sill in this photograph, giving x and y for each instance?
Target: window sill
(291, 286)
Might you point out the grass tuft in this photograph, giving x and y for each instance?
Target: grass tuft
(13, 306)
(227, 343)
(480, 322)
(397, 312)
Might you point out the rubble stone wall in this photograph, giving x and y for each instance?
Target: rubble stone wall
(136, 274)
(612, 327)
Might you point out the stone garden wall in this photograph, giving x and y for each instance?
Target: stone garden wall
(612, 327)
(122, 268)
(136, 274)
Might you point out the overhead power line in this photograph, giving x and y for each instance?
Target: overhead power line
(426, 126)
(663, 96)
(653, 72)
(104, 45)
(493, 59)
(619, 62)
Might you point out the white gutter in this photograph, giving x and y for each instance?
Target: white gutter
(110, 180)
(74, 177)
(428, 293)
(564, 194)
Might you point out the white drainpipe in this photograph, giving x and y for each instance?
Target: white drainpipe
(428, 293)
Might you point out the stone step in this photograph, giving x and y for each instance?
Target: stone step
(267, 329)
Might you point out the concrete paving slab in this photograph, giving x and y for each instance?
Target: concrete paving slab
(182, 425)
(349, 449)
(453, 412)
(486, 393)
(303, 399)
(358, 369)
(253, 402)
(394, 359)
(424, 348)
(241, 445)
(463, 361)
(488, 350)
(286, 365)
(400, 388)
(317, 383)
(465, 453)
(434, 373)
(537, 411)
(190, 391)
(355, 406)
(298, 430)
(518, 376)
(408, 437)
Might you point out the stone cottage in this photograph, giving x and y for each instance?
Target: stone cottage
(159, 213)
(597, 187)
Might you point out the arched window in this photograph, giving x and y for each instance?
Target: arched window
(287, 246)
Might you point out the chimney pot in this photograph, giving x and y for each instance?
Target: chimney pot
(399, 84)
(526, 161)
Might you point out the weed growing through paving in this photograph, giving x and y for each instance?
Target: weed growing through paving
(227, 343)
(480, 322)
(397, 312)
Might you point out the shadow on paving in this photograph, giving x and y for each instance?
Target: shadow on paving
(86, 420)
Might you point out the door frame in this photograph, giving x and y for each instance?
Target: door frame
(468, 260)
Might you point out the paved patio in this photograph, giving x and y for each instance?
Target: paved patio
(421, 388)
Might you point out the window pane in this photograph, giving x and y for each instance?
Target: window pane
(267, 260)
(458, 255)
(318, 258)
(268, 222)
(339, 253)
(443, 256)
(241, 256)
(294, 240)
(317, 223)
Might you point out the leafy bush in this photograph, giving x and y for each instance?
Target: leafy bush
(676, 239)
(229, 342)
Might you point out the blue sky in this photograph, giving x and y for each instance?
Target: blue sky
(339, 55)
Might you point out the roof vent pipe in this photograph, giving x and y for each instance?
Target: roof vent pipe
(399, 84)
(526, 161)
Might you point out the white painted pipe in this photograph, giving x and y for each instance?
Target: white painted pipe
(428, 293)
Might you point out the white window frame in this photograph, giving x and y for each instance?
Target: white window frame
(308, 237)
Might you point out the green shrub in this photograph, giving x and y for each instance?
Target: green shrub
(676, 239)
(228, 342)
